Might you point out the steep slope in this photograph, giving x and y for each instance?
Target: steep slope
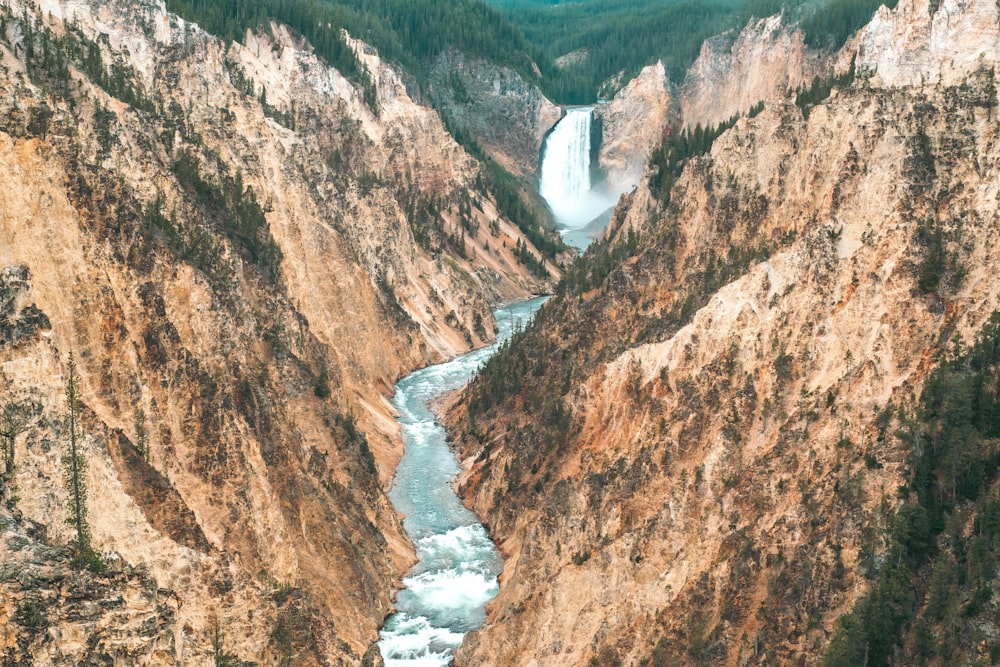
(242, 256)
(506, 115)
(687, 459)
(736, 70)
(632, 124)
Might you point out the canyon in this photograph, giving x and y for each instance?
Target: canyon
(690, 457)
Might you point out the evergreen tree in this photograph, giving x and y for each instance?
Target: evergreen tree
(74, 470)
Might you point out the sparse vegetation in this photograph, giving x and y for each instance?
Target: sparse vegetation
(409, 32)
(667, 161)
(190, 242)
(222, 657)
(292, 630)
(30, 614)
(322, 387)
(47, 60)
(320, 23)
(938, 268)
(15, 418)
(233, 206)
(806, 97)
(505, 189)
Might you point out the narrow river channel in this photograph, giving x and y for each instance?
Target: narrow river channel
(445, 594)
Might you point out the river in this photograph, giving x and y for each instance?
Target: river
(446, 592)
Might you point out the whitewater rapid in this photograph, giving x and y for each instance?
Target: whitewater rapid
(566, 182)
(446, 592)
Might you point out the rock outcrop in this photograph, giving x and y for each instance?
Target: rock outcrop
(50, 613)
(632, 124)
(920, 43)
(506, 115)
(691, 468)
(19, 322)
(243, 255)
(735, 71)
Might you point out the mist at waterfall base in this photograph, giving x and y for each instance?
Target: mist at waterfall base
(445, 594)
(580, 209)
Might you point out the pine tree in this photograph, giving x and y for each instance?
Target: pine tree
(74, 470)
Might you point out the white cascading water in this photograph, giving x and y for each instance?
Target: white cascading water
(565, 180)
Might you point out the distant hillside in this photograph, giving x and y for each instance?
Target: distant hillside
(408, 32)
(595, 40)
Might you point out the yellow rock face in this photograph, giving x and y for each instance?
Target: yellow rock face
(238, 433)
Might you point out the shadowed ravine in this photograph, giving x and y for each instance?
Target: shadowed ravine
(445, 594)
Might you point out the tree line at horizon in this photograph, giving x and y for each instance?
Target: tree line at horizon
(407, 32)
(608, 39)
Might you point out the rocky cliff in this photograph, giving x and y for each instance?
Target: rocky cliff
(697, 460)
(632, 124)
(920, 44)
(243, 255)
(734, 71)
(506, 115)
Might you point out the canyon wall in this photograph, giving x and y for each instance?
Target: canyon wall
(508, 116)
(735, 71)
(242, 254)
(632, 124)
(696, 465)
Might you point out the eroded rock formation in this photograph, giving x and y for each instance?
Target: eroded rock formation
(632, 124)
(505, 114)
(735, 71)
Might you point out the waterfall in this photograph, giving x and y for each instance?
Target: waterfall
(565, 179)
(565, 175)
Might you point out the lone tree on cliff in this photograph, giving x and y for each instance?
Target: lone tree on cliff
(74, 469)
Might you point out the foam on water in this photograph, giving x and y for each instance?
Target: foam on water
(445, 594)
(450, 591)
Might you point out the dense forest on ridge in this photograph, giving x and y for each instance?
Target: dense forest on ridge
(598, 40)
(408, 32)
(578, 47)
